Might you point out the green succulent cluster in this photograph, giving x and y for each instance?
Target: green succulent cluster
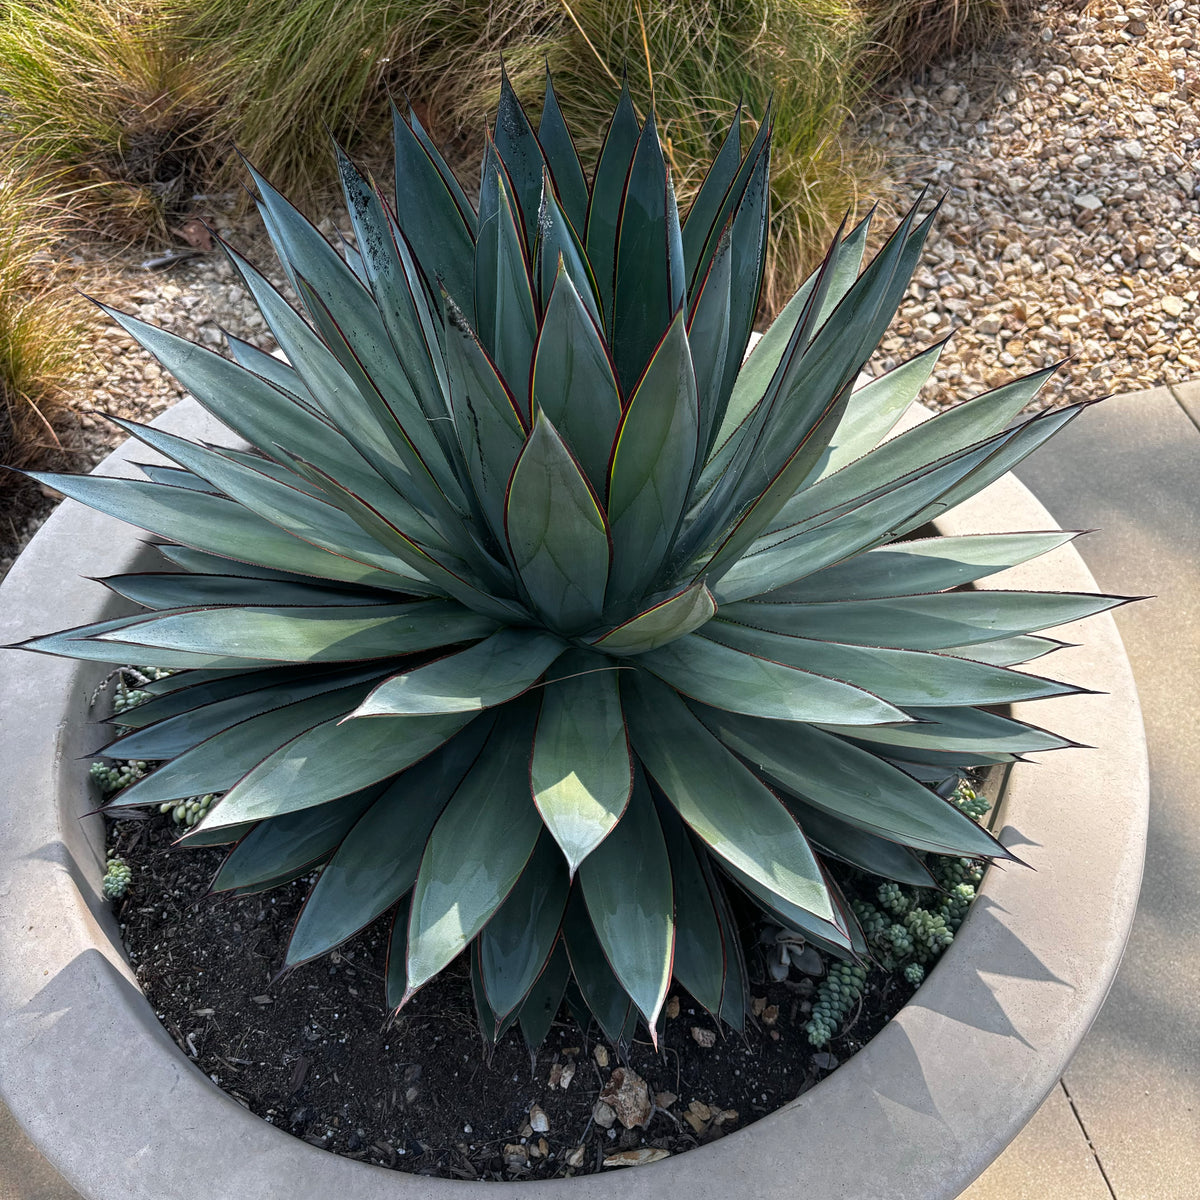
(190, 811)
(127, 696)
(965, 798)
(908, 928)
(115, 776)
(919, 923)
(837, 994)
(117, 878)
(540, 616)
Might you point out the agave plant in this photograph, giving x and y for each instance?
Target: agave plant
(535, 614)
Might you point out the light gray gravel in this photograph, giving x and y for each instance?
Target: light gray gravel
(1070, 157)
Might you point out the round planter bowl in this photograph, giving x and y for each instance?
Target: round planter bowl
(112, 1102)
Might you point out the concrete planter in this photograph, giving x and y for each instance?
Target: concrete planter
(917, 1115)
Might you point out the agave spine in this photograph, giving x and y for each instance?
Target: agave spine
(535, 616)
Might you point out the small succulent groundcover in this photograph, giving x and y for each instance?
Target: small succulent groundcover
(538, 617)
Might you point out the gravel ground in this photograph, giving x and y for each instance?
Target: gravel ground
(196, 299)
(1070, 156)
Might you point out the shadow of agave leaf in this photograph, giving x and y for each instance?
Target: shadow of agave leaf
(1012, 838)
(990, 949)
(901, 1084)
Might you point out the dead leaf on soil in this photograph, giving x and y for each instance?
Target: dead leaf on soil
(195, 233)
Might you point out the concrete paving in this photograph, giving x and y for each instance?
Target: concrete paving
(24, 1173)
(1125, 1122)
(1130, 468)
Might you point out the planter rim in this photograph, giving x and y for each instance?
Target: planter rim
(916, 1115)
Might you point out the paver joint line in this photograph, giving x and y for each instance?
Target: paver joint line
(1087, 1137)
(1174, 390)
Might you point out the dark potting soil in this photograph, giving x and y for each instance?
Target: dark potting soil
(317, 1053)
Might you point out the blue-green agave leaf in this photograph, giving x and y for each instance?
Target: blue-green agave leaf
(921, 565)
(651, 466)
(198, 688)
(831, 933)
(963, 731)
(711, 342)
(731, 811)
(573, 380)
(421, 473)
(559, 249)
(450, 578)
(751, 386)
(290, 843)
(604, 209)
(515, 945)
(176, 477)
(316, 521)
(562, 159)
(439, 229)
(330, 760)
(860, 849)
(930, 622)
(872, 412)
(308, 634)
(901, 677)
(261, 413)
(709, 200)
(201, 563)
(447, 175)
(806, 399)
(626, 882)
(873, 522)
(557, 532)
(699, 961)
(183, 590)
(744, 194)
(505, 313)
(488, 421)
(541, 1005)
(274, 370)
(521, 153)
(649, 284)
(377, 860)
(1011, 451)
(581, 773)
(392, 276)
(1007, 652)
(84, 642)
(216, 764)
(492, 1026)
(680, 613)
(603, 994)
(395, 972)
(760, 687)
(477, 851)
(497, 669)
(171, 736)
(336, 396)
(217, 526)
(959, 428)
(852, 784)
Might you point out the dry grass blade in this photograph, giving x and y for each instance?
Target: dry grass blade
(99, 90)
(43, 327)
(906, 36)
